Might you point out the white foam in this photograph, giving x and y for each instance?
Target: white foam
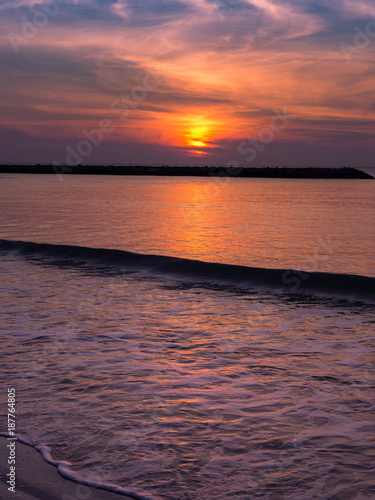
(65, 471)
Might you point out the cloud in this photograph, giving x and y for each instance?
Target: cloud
(226, 63)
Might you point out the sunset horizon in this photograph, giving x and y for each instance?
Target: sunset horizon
(187, 207)
(198, 82)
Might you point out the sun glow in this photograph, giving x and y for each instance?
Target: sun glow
(197, 143)
(196, 152)
(197, 133)
(194, 133)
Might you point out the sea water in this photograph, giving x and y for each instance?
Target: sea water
(151, 373)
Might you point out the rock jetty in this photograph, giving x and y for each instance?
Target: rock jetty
(206, 171)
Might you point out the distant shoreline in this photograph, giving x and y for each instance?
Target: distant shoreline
(182, 171)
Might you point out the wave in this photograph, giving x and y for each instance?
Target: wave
(285, 280)
(64, 469)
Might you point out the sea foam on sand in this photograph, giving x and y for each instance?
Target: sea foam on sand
(36, 479)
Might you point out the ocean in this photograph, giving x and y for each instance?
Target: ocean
(193, 338)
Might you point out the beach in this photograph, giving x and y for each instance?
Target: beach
(36, 479)
(181, 339)
(187, 265)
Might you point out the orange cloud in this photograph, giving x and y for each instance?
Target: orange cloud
(223, 67)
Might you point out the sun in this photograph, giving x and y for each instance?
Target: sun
(197, 152)
(197, 133)
(197, 144)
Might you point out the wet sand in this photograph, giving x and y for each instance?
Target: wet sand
(38, 480)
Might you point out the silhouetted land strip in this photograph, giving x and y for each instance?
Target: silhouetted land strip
(275, 172)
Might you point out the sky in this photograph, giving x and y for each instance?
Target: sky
(212, 82)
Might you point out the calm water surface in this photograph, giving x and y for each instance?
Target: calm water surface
(321, 225)
(192, 389)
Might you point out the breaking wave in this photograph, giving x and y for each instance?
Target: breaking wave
(290, 281)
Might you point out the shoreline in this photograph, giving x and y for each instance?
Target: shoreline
(202, 171)
(37, 479)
